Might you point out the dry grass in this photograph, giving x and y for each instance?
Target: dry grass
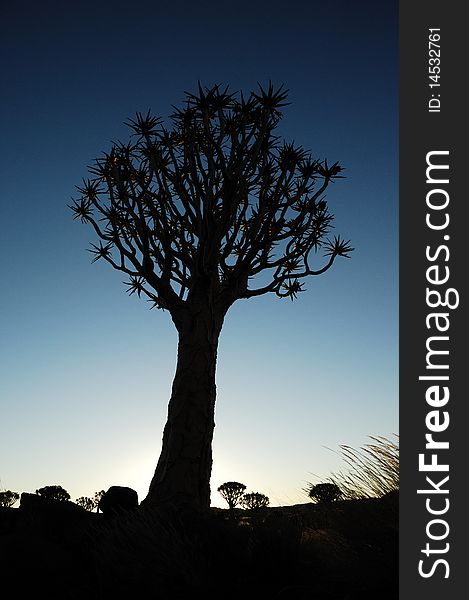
(346, 549)
(373, 469)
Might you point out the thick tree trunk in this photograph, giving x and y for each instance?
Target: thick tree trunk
(182, 476)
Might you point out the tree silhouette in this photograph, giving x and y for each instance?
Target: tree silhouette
(8, 498)
(208, 210)
(97, 497)
(54, 492)
(254, 500)
(86, 503)
(232, 492)
(325, 493)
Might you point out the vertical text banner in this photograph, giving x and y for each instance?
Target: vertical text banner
(434, 242)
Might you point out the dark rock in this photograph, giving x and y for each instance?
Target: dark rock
(118, 500)
(35, 503)
(52, 518)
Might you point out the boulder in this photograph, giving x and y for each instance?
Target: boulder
(118, 500)
(52, 517)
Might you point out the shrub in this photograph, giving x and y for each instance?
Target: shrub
(54, 492)
(324, 493)
(97, 497)
(90, 503)
(86, 503)
(254, 500)
(232, 492)
(8, 498)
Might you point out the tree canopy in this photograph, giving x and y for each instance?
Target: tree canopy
(213, 194)
(254, 500)
(325, 493)
(232, 492)
(54, 492)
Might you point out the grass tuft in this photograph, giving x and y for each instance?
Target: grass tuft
(373, 469)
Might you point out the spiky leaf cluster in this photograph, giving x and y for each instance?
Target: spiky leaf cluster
(211, 196)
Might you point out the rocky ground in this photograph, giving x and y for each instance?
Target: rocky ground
(347, 550)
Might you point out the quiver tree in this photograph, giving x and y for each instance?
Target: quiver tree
(232, 492)
(325, 493)
(254, 501)
(199, 212)
(54, 492)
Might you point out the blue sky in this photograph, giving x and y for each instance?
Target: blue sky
(86, 371)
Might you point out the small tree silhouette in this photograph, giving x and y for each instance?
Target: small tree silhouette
(97, 497)
(232, 492)
(54, 492)
(324, 493)
(254, 500)
(86, 503)
(8, 498)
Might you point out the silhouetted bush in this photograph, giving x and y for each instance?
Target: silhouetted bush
(53, 492)
(90, 503)
(8, 498)
(232, 492)
(254, 500)
(325, 493)
(97, 496)
(86, 503)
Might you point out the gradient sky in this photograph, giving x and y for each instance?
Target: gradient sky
(86, 370)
